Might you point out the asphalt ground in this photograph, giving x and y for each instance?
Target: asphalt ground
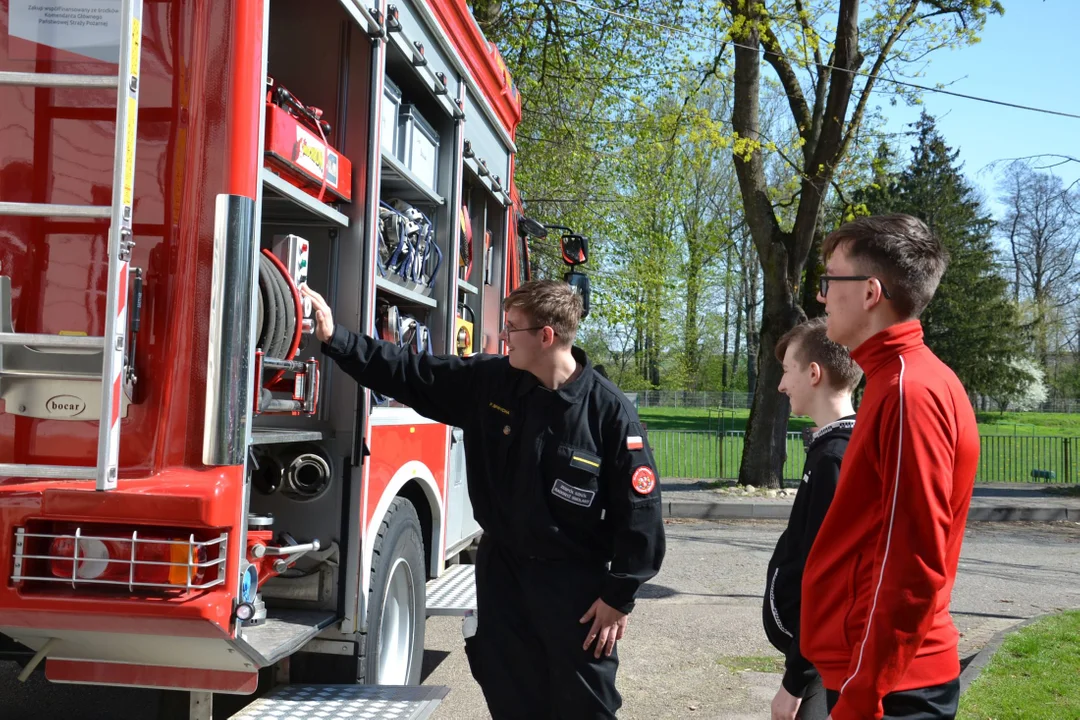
(704, 609)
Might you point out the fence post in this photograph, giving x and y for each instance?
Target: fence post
(1067, 470)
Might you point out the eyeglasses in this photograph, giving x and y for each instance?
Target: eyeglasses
(824, 281)
(508, 328)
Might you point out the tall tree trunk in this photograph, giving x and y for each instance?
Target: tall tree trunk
(727, 321)
(809, 302)
(783, 255)
(652, 337)
(753, 330)
(766, 448)
(639, 337)
(740, 306)
(691, 333)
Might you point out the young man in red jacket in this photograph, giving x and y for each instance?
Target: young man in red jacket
(875, 614)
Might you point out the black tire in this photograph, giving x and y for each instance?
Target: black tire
(398, 541)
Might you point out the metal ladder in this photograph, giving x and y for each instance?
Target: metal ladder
(113, 342)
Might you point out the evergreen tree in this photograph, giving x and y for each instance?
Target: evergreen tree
(971, 324)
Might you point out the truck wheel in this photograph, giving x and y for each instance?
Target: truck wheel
(397, 601)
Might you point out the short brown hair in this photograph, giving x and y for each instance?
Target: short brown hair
(813, 345)
(549, 302)
(902, 250)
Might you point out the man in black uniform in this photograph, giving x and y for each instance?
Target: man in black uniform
(563, 484)
(819, 377)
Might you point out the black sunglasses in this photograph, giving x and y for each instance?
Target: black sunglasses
(824, 281)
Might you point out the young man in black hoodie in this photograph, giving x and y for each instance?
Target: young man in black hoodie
(819, 378)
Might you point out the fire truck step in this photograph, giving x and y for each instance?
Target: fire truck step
(283, 633)
(454, 592)
(346, 702)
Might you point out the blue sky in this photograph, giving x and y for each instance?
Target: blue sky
(1029, 56)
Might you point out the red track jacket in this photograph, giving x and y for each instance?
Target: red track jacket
(878, 580)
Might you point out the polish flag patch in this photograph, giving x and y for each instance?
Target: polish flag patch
(643, 480)
(634, 442)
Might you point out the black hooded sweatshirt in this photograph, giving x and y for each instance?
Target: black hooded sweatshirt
(783, 588)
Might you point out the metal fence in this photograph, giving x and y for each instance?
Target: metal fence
(1045, 459)
(701, 454)
(707, 455)
(741, 401)
(692, 399)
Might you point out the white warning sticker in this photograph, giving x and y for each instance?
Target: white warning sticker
(84, 27)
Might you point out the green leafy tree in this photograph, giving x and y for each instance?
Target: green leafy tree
(971, 324)
(828, 60)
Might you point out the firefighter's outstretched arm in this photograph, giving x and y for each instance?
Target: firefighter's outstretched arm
(635, 513)
(438, 387)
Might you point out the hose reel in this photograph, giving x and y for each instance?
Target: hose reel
(278, 311)
(279, 331)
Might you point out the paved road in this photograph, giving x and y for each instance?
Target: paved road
(704, 607)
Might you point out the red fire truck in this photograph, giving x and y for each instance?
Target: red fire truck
(189, 495)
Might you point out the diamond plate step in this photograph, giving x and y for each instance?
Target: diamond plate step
(453, 592)
(345, 702)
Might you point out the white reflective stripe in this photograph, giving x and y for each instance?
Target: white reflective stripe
(888, 537)
(847, 424)
(772, 604)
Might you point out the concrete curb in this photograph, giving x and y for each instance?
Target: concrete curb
(1023, 514)
(982, 659)
(706, 510)
(691, 510)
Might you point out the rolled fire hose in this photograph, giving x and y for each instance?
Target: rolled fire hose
(278, 315)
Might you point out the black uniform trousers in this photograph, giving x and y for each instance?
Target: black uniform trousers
(938, 702)
(527, 653)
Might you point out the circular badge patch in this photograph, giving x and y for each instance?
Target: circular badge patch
(644, 480)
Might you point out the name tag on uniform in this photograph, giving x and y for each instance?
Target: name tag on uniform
(573, 495)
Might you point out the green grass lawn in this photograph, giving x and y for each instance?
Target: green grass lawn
(1035, 674)
(699, 419)
(697, 443)
(1029, 424)
(754, 663)
(1019, 424)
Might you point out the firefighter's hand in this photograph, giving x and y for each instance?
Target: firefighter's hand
(324, 319)
(785, 706)
(608, 625)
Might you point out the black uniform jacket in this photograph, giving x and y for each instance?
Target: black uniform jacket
(784, 590)
(564, 475)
